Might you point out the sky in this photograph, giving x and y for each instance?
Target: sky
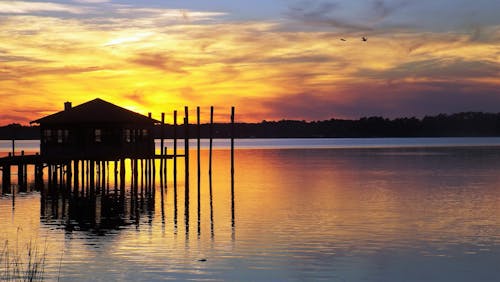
(272, 60)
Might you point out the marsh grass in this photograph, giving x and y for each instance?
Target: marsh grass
(25, 263)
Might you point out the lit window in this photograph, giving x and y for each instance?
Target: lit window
(144, 133)
(98, 135)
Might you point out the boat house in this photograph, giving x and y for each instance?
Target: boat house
(96, 130)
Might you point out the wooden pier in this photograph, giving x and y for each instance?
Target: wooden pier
(85, 176)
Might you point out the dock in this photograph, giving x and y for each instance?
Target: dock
(84, 176)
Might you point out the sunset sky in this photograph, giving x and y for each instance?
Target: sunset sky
(273, 60)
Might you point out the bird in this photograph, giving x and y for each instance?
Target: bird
(343, 39)
(364, 38)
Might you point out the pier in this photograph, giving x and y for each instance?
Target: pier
(101, 161)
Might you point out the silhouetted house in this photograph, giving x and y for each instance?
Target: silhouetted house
(96, 130)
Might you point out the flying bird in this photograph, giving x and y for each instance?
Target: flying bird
(343, 39)
(364, 38)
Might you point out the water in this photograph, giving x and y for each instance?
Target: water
(304, 210)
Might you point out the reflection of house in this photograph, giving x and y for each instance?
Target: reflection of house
(96, 130)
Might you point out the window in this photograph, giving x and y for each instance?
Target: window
(59, 136)
(126, 135)
(66, 136)
(98, 135)
(47, 135)
(145, 133)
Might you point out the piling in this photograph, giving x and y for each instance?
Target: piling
(162, 129)
(186, 148)
(198, 136)
(175, 152)
(186, 171)
(232, 167)
(6, 179)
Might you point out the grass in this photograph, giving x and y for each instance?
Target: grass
(22, 264)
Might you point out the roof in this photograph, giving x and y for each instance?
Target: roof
(95, 111)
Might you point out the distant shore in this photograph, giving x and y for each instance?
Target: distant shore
(467, 124)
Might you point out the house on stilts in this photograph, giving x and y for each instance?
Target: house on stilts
(96, 130)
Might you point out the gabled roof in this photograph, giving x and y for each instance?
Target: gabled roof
(95, 111)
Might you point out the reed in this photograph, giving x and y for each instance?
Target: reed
(25, 263)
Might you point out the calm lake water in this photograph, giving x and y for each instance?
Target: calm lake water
(423, 209)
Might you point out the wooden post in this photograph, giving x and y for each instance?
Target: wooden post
(115, 167)
(210, 133)
(162, 129)
(198, 136)
(232, 167)
(20, 174)
(153, 173)
(186, 171)
(84, 183)
(143, 173)
(76, 175)
(103, 176)
(175, 149)
(122, 176)
(92, 181)
(186, 149)
(165, 167)
(136, 174)
(69, 174)
(49, 172)
(6, 178)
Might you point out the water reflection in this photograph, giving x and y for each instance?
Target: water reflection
(408, 214)
(96, 212)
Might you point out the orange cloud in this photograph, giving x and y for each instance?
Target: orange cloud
(265, 69)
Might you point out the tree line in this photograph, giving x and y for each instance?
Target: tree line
(442, 125)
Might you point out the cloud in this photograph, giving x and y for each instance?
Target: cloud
(343, 15)
(160, 61)
(23, 7)
(437, 69)
(91, 1)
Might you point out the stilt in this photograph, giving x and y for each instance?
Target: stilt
(76, 173)
(69, 175)
(6, 179)
(115, 167)
(20, 175)
(122, 176)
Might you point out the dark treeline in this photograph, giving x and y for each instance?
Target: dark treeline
(442, 125)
